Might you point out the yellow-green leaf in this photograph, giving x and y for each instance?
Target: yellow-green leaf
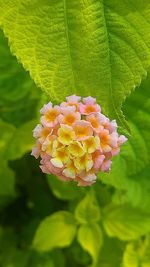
(57, 230)
(91, 239)
(97, 47)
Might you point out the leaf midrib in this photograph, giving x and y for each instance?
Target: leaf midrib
(68, 41)
(109, 59)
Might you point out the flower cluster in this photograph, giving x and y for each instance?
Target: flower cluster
(75, 140)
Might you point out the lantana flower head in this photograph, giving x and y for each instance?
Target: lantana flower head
(75, 141)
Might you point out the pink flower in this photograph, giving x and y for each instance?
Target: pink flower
(50, 117)
(112, 126)
(36, 150)
(46, 108)
(72, 100)
(89, 106)
(69, 116)
(45, 161)
(106, 165)
(75, 140)
(107, 140)
(41, 132)
(122, 139)
(89, 109)
(86, 179)
(115, 151)
(95, 120)
(82, 130)
(98, 159)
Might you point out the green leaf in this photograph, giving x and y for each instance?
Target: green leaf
(137, 192)
(18, 94)
(87, 210)
(95, 47)
(130, 258)
(7, 177)
(125, 222)
(64, 191)
(91, 239)
(10, 254)
(111, 253)
(44, 259)
(21, 142)
(130, 169)
(57, 230)
(137, 254)
(6, 133)
(7, 183)
(15, 142)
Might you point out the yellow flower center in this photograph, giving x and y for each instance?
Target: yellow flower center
(66, 135)
(51, 115)
(91, 144)
(81, 131)
(90, 108)
(69, 119)
(76, 149)
(83, 163)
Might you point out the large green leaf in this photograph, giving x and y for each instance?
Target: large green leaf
(57, 230)
(97, 47)
(125, 222)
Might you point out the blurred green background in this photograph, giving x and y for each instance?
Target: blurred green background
(47, 223)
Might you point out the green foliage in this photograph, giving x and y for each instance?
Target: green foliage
(91, 239)
(64, 191)
(49, 234)
(130, 170)
(11, 255)
(21, 142)
(16, 89)
(137, 254)
(84, 47)
(7, 181)
(125, 222)
(96, 47)
(87, 211)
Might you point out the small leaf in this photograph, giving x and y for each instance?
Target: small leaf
(87, 211)
(125, 222)
(91, 239)
(137, 253)
(130, 257)
(57, 230)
